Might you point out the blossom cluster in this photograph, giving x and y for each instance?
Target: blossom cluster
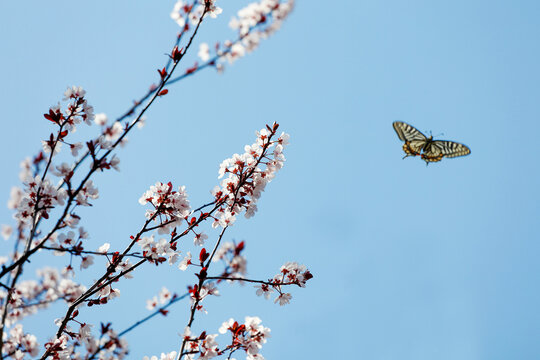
(248, 174)
(254, 23)
(249, 336)
(182, 10)
(105, 346)
(37, 200)
(40, 196)
(31, 295)
(258, 12)
(170, 207)
(110, 134)
(231, 255)
(158, 251)
(290, 273)
(78, 110)
(205, 345)
(164, 297)
(17, 343)
(197, 294)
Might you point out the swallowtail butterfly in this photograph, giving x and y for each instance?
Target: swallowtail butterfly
(429, 150)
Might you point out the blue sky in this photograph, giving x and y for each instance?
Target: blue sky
(410, 262)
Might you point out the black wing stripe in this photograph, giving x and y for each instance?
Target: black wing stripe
(451, 149)
(406, 132)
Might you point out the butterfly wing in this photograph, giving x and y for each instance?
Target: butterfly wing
(450, 149)
(414, 139)
(406, 132)
(438, 149)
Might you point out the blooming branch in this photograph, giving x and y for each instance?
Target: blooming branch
(169, 217)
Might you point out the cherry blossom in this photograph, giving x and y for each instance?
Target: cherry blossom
(213, 10)
(209, 347)
(85, 332)
(199, 239)
(104, 248)
(39, 195)
(49, 145)
(62, 170)
(171, 207)
(185, 262)
(87, 261)
(295, 273)
(101, 119)
(158, 251)
(19, 343)
(283, 299)
(204, 51)
(89, 191)
(152, 303)
(66, 239)
(198, 294)
(178, 12)
(249, 336)
(231, 255)
(164, 295)
(74, 92)
(249, 164)
(48, 218)
(264, 290)
(141, 122)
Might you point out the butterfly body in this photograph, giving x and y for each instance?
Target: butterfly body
(417, 144)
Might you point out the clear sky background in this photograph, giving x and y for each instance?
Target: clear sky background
(410, 262)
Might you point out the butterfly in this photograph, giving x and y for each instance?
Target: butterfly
(429, 150)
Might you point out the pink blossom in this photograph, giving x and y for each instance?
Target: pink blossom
(101, 119)
(152, 303)
(47, 195)
(172, 205)
(204, 52)
(209, 347)
(185, 262)
(104, 248)
(199, 239)
(85, 331)
(249, 165)
(89, 191)
(87, 261)
(74, 92)
(164, 295)
(264, 290)
(47, 146)
(283, 299)
(75, 148)
(177, 14)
